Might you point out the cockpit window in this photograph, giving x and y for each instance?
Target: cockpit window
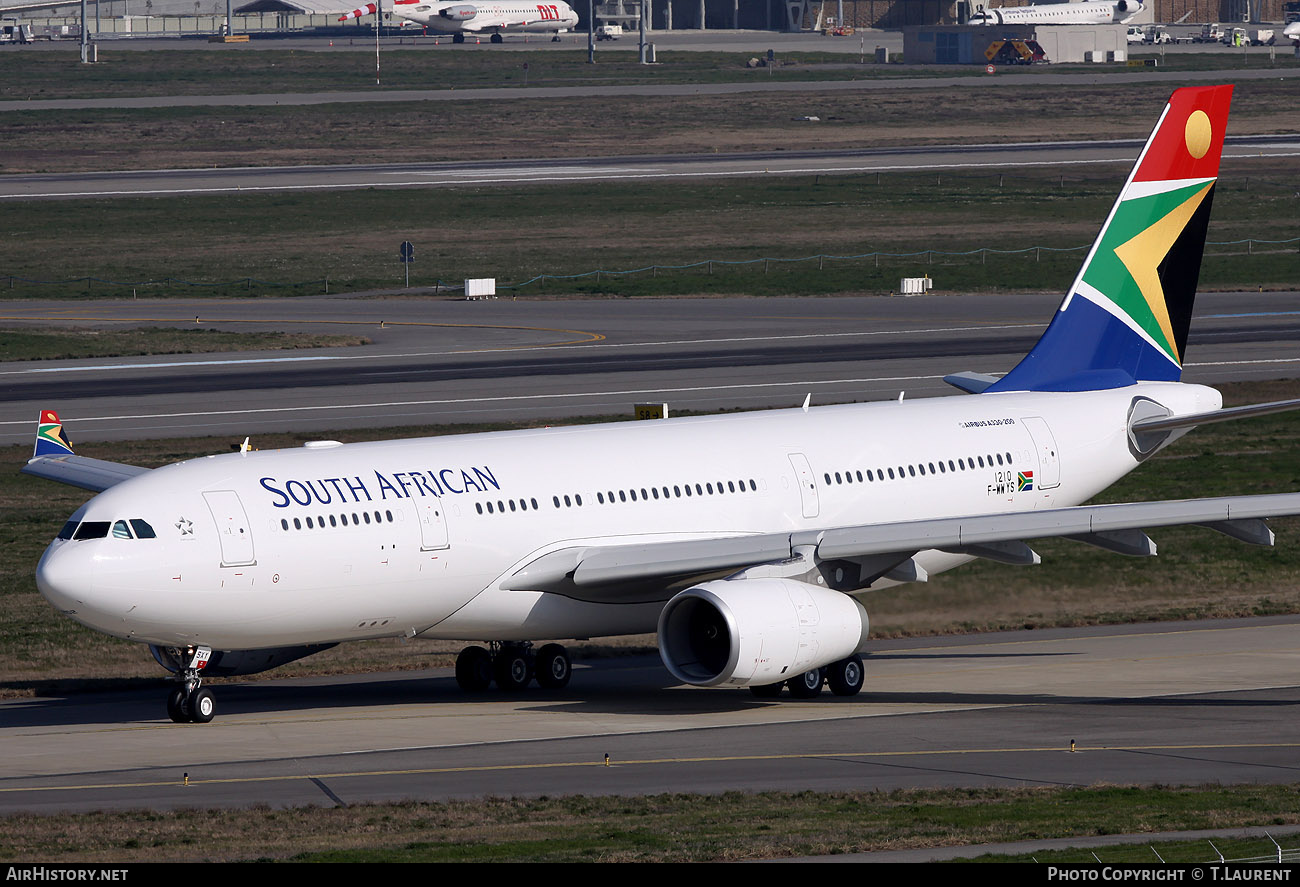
(121, 530)
(92, 529)
(142, 529)
(68, 529)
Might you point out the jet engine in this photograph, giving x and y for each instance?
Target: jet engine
(462, 12)
(753, 632)
(225, 663)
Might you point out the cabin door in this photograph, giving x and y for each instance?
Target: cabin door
(803, 476)
(1049, 459)
(232, 528)
(433, 524)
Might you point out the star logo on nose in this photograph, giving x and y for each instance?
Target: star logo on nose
(185, 526)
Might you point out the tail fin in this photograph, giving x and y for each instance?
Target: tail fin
(1126, 315)
(51, 440)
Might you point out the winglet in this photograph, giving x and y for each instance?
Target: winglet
(51, 439)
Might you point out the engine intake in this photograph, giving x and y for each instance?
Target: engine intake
(747, 632)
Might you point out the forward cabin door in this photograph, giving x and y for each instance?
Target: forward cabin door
(232, 527)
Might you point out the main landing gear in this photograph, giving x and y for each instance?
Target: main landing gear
(497, 38)
(845, 678)
(512, 666)
(458, 37)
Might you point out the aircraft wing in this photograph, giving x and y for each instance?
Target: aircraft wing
(81, 471)
(53, 459)
(865, 553)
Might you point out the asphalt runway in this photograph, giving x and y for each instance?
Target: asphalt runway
(683, 168)
(438, 361)
(1179, 703)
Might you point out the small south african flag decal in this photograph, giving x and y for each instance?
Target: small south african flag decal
(1025, 481)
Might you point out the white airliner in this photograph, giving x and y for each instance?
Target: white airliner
(749, 542)
(1086, 12)
(461, 17)
(1292, 31)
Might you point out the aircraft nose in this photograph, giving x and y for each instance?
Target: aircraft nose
(65, 577)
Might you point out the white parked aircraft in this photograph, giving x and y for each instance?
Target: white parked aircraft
(1086, 12)
(749, 542)
(461, 17)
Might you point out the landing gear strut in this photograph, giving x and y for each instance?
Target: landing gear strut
(189, 703)
(512, 666)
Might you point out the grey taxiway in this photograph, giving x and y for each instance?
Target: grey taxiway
(1173, 704)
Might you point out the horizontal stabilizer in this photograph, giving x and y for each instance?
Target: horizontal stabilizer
(1172, 423)
(971, 383)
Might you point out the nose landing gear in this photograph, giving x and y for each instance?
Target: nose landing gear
(189, 703)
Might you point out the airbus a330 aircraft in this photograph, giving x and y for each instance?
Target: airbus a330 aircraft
(1087, 12)
(749, 542)
(459, 17)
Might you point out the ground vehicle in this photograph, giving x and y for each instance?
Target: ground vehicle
(1209, 34)
(1136, 35)
(609, 32)
(1157, 36)
(13, 32)
(1260, 36)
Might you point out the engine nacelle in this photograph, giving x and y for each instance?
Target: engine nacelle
(460, 13)
(747, 632)
(225, 663)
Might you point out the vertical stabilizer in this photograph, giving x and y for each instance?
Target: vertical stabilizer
(51, 439)
(1126, 316)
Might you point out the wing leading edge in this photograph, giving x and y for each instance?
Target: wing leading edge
(850, 558)
(53, 459)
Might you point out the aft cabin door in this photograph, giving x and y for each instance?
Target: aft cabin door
(803, 476)
(232, 528)
(1049, 459)
(433, 524)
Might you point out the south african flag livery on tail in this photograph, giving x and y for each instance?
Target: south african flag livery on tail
(51, 440)
(1126, 315)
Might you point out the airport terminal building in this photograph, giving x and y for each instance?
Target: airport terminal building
(758, 15)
